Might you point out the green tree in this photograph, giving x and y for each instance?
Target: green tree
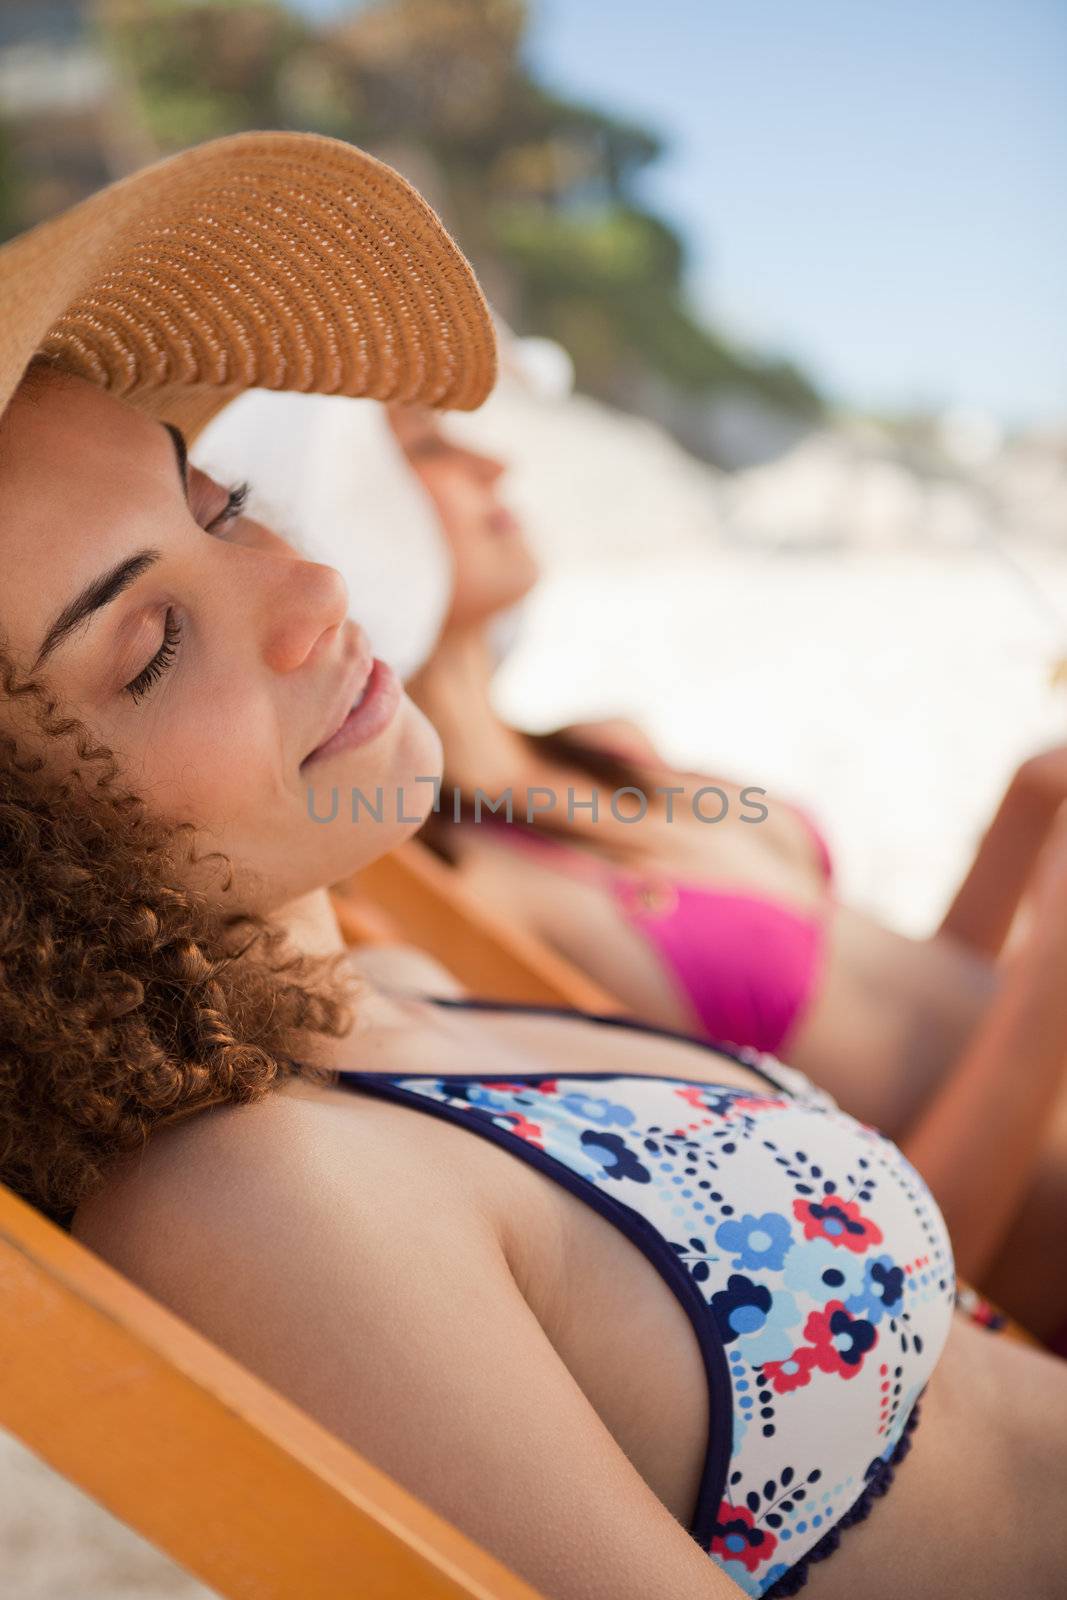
(541, 190)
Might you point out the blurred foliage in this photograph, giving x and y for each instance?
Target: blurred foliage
(541, 190)
(9, 199)
(202, 70)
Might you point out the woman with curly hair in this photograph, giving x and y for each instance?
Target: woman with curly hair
(639, 1314)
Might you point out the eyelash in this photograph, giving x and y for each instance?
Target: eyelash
(172, 631)
(235, 504)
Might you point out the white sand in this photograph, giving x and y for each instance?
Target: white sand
(892, 692)
(57, 1544)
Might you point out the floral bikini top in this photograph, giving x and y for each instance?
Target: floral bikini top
(808, 1253)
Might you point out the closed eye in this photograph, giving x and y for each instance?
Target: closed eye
(235, 504)
(160, 662)
(163, 659)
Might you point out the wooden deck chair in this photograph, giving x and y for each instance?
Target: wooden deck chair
(210, 1464)
(427, 904)
(430, 907)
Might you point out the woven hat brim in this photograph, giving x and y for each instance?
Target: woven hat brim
(264, 260)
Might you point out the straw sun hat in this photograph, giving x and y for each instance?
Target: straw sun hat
(269, 260)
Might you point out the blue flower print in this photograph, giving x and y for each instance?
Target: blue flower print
(741, 1307)
(897, 1426)
(591, 1108)
(616, 1158)
(756, 1242)
(566, 1140)
(747, 1582)
(825, 1273)
(775, 1340)
(757, 1316)
(481, 1094)
(755, 1583)
(882, 1293)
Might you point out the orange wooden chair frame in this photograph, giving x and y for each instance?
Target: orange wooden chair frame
(428, 905)
(181, 1442)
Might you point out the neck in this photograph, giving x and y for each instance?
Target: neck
(453, 690)
(313, 929)
(311, 923)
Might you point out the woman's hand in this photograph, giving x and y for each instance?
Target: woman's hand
(982, 913)
(1044, 776)
(1047, 901)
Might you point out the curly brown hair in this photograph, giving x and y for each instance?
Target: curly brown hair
(127, 1001)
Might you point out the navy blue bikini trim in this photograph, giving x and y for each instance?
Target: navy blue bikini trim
(636, 1228)
(608, 1019)
(641, 1233)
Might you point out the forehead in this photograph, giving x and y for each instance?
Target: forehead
(53, 410)
(75, 464)
(413, 422)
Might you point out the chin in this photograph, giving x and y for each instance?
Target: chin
(524, 578)
(403, 764)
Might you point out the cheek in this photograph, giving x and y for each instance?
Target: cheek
(216, 764)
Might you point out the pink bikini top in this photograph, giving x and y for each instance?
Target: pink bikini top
(747, 964)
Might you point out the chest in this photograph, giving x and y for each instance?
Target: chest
(471, 1041)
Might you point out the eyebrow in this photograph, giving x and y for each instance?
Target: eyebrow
(181, 450)
(102, 590)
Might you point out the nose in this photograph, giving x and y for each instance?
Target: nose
(304, 604)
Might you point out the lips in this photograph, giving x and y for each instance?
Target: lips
(354, 686)
(372, 706)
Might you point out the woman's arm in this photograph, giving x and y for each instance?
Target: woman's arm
(977, 1143)
(982, 912)
(366, 1283)
(617, 736)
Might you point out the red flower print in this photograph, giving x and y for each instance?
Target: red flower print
(530, 1131)
(792, 1373)
(735, 1538)
(692, 1096)
(757, 1102)
(837, 1221)
(839, 1341)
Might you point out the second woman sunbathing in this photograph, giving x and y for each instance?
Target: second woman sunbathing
(613, 1301)
(734, 930)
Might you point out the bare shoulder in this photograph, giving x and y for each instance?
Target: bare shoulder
(244, 1186)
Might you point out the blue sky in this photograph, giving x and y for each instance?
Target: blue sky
(879, 190)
